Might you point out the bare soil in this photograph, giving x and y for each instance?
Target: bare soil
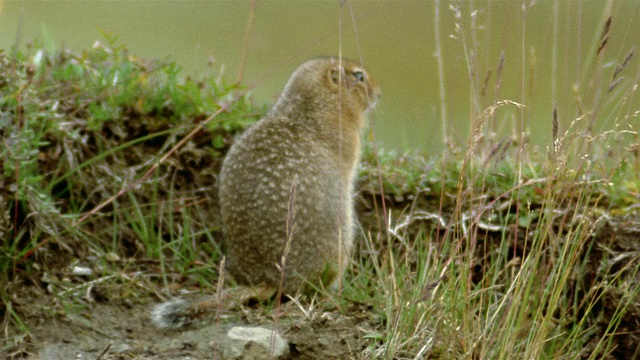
(108, 330)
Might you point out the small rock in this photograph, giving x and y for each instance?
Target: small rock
(81, 271)
(112, 257)
(253, 343)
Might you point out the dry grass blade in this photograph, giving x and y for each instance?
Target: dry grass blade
(246, 40)
(619, 68)
(502, 144)
(155, 166)
(554, 128)
(604, 38)
(290, 230)
(486, 83)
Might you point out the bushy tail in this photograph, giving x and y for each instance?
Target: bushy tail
(178, 313)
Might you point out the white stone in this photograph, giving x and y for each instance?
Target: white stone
(253, 343)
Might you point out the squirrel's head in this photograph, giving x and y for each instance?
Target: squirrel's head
(329, 82)
(351, 81)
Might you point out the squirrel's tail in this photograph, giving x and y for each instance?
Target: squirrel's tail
(180, 313)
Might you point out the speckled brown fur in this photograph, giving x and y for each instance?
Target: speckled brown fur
(307, 145)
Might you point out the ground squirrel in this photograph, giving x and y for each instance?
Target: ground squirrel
(288, 183)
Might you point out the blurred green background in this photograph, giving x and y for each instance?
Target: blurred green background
(550, 54)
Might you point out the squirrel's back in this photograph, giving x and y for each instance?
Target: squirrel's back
(289, 180)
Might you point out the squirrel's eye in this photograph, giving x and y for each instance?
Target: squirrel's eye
(359, 75)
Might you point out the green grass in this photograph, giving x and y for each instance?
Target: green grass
(79, 128)
(510, 258)
(480, 252)
(512, 272)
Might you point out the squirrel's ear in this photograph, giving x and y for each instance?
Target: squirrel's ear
(334, 74)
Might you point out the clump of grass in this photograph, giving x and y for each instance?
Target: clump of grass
(78, 127)
(508, 272)
(509, 253)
